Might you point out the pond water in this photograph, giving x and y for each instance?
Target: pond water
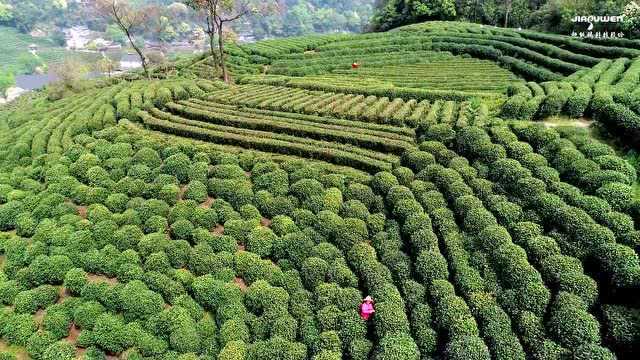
(38, 81)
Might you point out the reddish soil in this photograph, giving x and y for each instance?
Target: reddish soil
(183, 189)
(82, 211)
(265, 222)
(219, 230)
(240, 282)
(241, 247)
(207, 204)
(39, 316)
(80, 353)
(74, 332)
(93, 278)
(62, 294)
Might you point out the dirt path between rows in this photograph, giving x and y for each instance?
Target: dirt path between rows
(581, 123)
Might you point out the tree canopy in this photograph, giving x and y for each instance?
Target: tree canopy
(546, 15)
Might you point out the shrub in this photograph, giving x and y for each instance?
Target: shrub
(375, 223)
(282, 225)
(260, 241)
(8, 215)
(182, 229)
(250, 212)
(85, 314)
(212, 293)
(620, 262)
(382, 182)
(431, 265)
(110, 334)
(185, 339)
(138, 302)
(328, 355)
(571, 324)
(25, 225)
(340, 273)
(8, 291)
(404, 175)
(75, 280)
(57, 322)
(467, 347)
(329, 341)
(239, 229)
(578, 102)
(177, 165)
(148, 157)
(354, 209)
(30, 301)
(396, 347)
(351, 327)
(593, 352)
(198, 171)
(329, 317)
(275, 182)
(61, 350)
(351, 232)
(477, 219)
(361, 192)
(196, 191)
(390, 319)
(38, 343)
(284, 327)
(234, 350)
(622, 327)
(619, 196)
(18, 328)
(314, 271)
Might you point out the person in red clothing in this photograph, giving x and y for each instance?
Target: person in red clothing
(355, 65)
(366, 308)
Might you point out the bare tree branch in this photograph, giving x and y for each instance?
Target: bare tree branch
(127, 19)
(219, 13)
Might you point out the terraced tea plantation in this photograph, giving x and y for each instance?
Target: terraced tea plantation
(185, 218)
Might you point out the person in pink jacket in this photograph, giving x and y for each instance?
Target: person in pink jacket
(366, 308)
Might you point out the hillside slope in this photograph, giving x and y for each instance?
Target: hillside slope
(183, 218)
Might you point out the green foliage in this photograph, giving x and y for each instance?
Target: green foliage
(489, 239)
(397, 347)
(468, 347)
(260, 241)
(59, 350)
(7, 80)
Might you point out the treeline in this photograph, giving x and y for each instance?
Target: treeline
(293, 17)
(544, 15)
(300, 17)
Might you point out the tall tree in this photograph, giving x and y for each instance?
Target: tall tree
(129, 19)
(209, 9)
(7, 80)
(219, 13)
(507, 11)
(6, 13)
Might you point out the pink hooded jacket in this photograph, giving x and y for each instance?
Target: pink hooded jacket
(366, 310)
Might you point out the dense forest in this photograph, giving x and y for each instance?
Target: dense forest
(290, 18)
(544, 15)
